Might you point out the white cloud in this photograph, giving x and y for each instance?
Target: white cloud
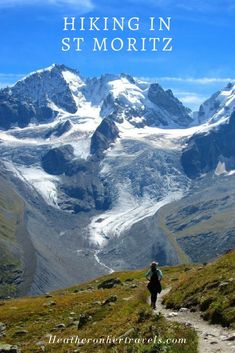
(81, 4)
(200, 80)
(9, 75)
(190, 98)
(194, 80)
(191, 91)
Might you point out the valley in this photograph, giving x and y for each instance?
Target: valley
(195, 313)
(114, 173)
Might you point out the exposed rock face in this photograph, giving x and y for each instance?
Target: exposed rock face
(47, 86)
(167, 101)
(81, 187)
(105, 134)
(14, 110)
(32, 97)
(205, 151)
(83, 320)
(219, 106)
(59, 129)
(111, 299)
(109, 283)
(46, 94)
(67, 160)
(85, 190)
(56, 161)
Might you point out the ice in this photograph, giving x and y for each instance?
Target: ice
(131, 92)
(40, 181)
(89, 95)
(74, 81)
(126, 211)
(220, 169)
(157, 137)
(9, 139)
(84, 123)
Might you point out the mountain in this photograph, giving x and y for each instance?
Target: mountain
(18, 261)
(212, 151)
(97, 160)
(116, 306)
(83, 119)
(38, 97)
(202, 222)
(219, 107)
(46, 94)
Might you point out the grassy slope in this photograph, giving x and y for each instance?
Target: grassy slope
(129, 311)
(11, 212)
(210, 288)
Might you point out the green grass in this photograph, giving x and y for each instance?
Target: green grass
(210, 288)
(129, 312)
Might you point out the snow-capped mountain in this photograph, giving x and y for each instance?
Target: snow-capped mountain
(219, 107)
(96, 158)
(46, 94)
(212, 148)
(205, 152)
(58, 121)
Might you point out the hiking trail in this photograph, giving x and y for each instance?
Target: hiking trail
(212, 338)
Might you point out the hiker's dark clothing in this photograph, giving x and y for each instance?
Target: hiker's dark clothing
(154, 285)
(153, 299)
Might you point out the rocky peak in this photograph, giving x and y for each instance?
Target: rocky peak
(40, 96)
(128, 77)
(219, 106)
(205, 151)
(45, 93)
(171, 106)
(47, 86)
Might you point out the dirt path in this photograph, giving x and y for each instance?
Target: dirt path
(212, 338)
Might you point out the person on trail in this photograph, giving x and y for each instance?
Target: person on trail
(154, 276)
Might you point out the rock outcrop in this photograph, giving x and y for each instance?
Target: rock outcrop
(204, 151)
(106, 133)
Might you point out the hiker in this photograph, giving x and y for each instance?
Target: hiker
(154, 276)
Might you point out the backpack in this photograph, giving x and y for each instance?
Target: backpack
(154, 283)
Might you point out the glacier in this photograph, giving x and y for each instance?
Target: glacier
(87, 203)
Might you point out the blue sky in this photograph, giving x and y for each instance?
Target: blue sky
(202, 60)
